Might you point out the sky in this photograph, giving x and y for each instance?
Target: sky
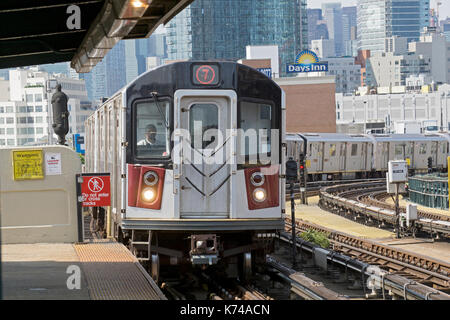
(444, 9)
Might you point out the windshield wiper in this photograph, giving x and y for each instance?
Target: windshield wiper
(154, 95)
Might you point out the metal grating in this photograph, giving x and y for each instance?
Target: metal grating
(113, 273)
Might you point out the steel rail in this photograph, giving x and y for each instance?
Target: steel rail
(435, 271)
(334, 198)
(302, 285)
(384, 280)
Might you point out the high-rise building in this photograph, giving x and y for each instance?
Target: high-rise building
(221, 29)
(109, 75)
(317, 27)
(349, 31)
(349, 18)
(332, 14)
(378, 20)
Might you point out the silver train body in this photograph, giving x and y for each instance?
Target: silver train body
(177, 210)
(336, 155)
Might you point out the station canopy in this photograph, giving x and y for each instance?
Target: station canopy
(49, 31)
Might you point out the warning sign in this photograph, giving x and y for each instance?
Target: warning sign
(28, 164)
(52, 163)
(95, 191)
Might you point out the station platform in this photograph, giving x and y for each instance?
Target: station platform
(95, 270)
(312, 213)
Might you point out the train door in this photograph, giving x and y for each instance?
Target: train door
(206, 153)
(385, 155)
(362, 161)
(330, 162)
(321, 157)
(342, 152)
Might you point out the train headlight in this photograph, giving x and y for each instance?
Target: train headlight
(259, 195)
(150, 178)
(257, 179)
(148, 195)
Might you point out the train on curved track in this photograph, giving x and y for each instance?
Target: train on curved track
(195, 153)
(330, 156)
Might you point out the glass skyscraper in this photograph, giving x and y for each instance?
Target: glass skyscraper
(221, 29)
(379, 19)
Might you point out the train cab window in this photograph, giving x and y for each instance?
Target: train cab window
(203, 117)
(152, 129)
(256, 124)
(354, 149)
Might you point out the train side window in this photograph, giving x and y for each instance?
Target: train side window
(203, 117)
(434, 148)
(332, 150)
(152, 132)
(354, 149)
(423, 148)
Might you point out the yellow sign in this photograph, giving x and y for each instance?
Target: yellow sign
(408, 161)
(308, 163)
(28, 165)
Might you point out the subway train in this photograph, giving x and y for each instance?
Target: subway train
(330, 156)
(195, 153)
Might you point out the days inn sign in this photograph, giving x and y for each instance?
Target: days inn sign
(306, 61)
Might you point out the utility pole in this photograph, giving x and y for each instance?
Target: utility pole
(291, 178)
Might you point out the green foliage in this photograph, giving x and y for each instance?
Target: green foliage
(81, 158)
(316, 237)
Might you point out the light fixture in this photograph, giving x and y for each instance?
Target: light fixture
(259, 195)
(148, 195)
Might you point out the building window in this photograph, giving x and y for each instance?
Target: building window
(22, 109)
(38, 97)
(9, 120)
(10, 142)
(29, 97)
(2, 130)
(10, 131)
(39, 130)
(2, 142)
(38, 109)
(9, 109)
(30, 109)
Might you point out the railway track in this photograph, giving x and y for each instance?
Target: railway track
(416, 268)
(362, 200)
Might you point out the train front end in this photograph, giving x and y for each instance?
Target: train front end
(202, 174)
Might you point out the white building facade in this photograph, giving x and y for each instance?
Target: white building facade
(26, 116)
(391, 108)
(346, 72)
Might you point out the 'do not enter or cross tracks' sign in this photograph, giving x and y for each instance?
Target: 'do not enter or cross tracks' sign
(95, 190)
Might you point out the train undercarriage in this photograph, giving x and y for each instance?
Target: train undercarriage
(235, 254)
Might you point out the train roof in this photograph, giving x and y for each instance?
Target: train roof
(223, 75)
(328, 137)
(407, 137)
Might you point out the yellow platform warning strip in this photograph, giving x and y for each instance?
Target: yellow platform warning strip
(113, 273)
(314, 214)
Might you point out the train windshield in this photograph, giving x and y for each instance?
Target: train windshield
(152, 129)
